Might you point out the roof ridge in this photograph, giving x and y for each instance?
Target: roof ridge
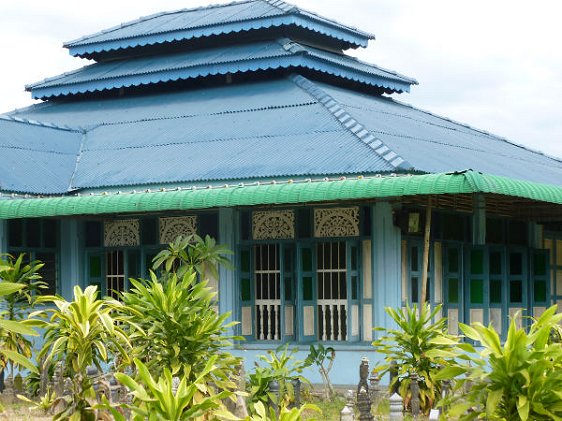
(476, 129)
(356, 128)
(152, 16)
(42, 124)
(313, 51)
(282, 5)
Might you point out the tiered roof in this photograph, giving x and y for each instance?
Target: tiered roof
(175, 99)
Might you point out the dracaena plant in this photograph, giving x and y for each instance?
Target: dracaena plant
(193, 253)
(280, 366)
(260, 413)
(79, 334)
(14, 327)
(520, 379)
(173, 323)
(169, 397)
(16, 305)
(419, 345)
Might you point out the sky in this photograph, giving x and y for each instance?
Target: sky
(495, 65)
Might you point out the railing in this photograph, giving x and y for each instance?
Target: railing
(268, 318)
(332, 320)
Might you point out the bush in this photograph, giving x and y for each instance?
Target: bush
(519, 380)
(280, 366)
(79, 334)
(418, 346)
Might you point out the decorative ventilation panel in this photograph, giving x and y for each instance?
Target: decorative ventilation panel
(171, 228)
(273, 225)
(121, 233)
(336, 222)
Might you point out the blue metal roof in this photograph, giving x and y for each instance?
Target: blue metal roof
(193, 24)
(265, 55)
(280, 128)
(36, 158)
(435, 144)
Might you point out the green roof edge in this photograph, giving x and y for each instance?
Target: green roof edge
(271, 193)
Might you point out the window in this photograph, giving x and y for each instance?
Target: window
(119, 249)
(287, 260)
(332, 291)
(38, 239)
(267, 284)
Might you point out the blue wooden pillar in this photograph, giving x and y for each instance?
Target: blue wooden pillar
(228, 284)
(3, 236)
(71, 257)
(478, 220)
(386, 264)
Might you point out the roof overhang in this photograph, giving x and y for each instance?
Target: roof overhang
(444, 186)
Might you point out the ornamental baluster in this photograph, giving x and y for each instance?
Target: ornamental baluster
(270, 321)
(262, 311)
(277, 317)
(324, 309)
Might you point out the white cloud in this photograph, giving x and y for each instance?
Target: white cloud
(495, 65)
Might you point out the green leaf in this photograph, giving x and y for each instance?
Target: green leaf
(523, 407)
(494, 398)
(8, 288)
(20, 360)
(17, 327)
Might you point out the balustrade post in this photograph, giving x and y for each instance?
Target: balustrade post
(396, 407)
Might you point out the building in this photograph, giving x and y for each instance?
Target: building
(249, 122)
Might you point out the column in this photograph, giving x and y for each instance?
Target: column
(3, 236)
(478, 220)
(71, 257)
(228, 283)
(386, 264)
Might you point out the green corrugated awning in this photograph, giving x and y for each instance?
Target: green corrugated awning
(279, 193)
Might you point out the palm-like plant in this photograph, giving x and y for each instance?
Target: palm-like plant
(79, 334)
(171, 398)
(519, 380)
(193, 253)
(173, 324)
(419, 346)
(14, 327)
(14, 341)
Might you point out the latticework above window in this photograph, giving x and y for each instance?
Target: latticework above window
(273, 225)
(336, 222)
(121, 233)
(171, 228)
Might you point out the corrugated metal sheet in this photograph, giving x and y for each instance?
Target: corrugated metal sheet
(280, 193)
(276, 54)
(36, 158)
(435, 144)
(281, 128)
(189, 24)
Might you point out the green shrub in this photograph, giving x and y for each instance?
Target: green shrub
(173, 324)
(418, 346)
(79, 334)
(280, 366)
(21, 281)
(320, 355)
(519, 380)
(170, 398)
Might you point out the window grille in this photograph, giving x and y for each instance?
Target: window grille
(267, 274)
(115, 278)
(332, 291)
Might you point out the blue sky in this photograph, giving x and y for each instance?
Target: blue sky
(495, 65)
